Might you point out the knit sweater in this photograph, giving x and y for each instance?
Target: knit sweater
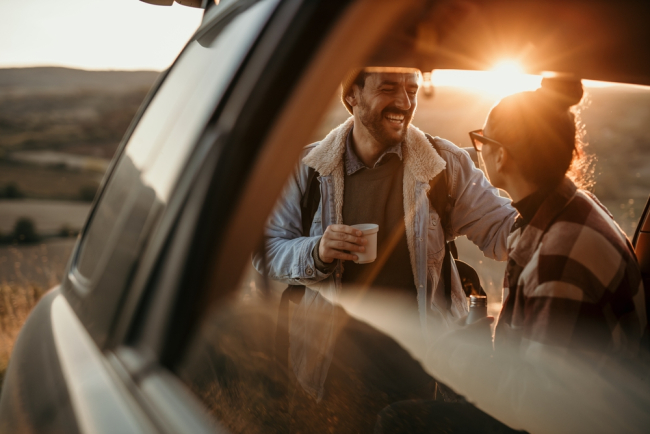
(375, 196)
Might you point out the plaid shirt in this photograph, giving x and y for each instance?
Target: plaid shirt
(572, 282)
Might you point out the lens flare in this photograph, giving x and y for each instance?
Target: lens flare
(508, 67)
(505, 78)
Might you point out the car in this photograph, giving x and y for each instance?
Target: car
(159, 324)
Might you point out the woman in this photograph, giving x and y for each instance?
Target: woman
(572, 278)
(569, 334)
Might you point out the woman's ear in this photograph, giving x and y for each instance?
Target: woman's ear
(501, 159)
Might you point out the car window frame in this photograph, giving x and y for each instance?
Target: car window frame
(75, 285)
(146, 363)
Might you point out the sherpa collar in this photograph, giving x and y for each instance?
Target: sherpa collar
(421, 164)
(420, 158)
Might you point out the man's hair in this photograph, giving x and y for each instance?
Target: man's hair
(360, 80)
(357, 76)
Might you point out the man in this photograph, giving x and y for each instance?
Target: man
(376, 168)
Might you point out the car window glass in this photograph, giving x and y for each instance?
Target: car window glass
(366, 360)
(166, 133)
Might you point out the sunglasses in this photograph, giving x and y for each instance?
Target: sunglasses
(478, 140)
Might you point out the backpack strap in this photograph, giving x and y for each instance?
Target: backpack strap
(310, 201)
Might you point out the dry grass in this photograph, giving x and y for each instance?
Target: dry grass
(15, 304)
(26, 273)
(47, 182)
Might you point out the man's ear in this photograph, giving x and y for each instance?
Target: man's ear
(352, 97)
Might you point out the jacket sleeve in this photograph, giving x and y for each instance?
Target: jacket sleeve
(289, 253)
(478, 211)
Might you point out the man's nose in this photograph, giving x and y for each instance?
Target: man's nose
(402, 100)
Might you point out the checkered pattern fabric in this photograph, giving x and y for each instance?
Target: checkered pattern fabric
(572, 282)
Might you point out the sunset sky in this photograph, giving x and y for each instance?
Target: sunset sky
(131, 35)
(93, 34)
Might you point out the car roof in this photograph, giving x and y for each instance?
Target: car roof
(590, 39)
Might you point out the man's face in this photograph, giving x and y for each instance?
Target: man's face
(386, 105)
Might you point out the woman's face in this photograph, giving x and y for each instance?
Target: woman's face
(488, 159)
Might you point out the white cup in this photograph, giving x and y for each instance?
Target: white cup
(369, 233)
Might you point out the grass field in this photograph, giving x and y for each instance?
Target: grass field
(78, 113)
(26, 273)
(49, 216)
(48, 183)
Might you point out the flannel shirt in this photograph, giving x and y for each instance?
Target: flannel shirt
(572, 282)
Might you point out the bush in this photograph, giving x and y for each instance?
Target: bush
(67, 232)
(11, 191)
(25, 231)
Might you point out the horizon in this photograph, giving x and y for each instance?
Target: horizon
(78, 69)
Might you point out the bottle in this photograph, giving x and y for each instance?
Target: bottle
(477, 308)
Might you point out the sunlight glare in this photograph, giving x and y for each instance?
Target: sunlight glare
(504, 79)
(508, 67)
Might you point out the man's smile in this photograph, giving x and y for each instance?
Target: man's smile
(394, 118)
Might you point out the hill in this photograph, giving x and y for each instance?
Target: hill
(68, 110)
(66, 79)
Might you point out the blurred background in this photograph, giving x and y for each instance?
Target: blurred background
(74, 72)
(72, 76)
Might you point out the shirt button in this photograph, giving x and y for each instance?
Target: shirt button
(309, 271)
(338, 275)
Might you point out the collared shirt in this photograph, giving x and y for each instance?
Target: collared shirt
(528, 206)
(571, 281)
(352, 162)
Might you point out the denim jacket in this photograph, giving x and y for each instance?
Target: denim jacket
(478, 212)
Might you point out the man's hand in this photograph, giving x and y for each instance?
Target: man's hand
(339, 242)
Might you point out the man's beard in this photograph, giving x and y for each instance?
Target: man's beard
(374, 123)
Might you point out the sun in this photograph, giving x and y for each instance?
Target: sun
(505, 78)
(508, 67)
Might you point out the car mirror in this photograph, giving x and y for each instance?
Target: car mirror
(191, 3)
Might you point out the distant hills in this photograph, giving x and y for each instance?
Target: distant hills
(67, 79)
(86, 113)
(59, 128)
(68, 110)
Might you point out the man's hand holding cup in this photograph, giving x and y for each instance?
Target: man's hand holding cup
(356, 243)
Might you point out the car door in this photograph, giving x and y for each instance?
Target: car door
(61, 377)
